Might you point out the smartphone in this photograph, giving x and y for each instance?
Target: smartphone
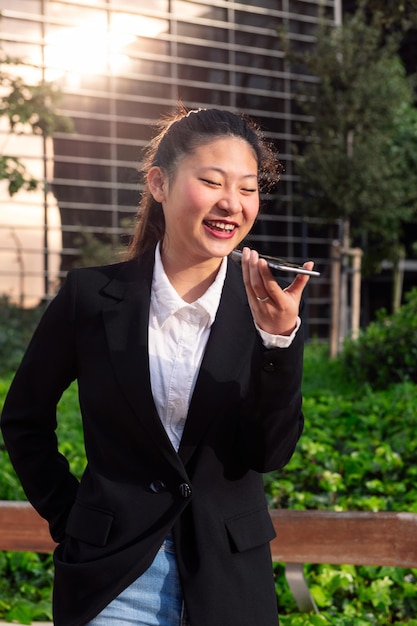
(279, 264)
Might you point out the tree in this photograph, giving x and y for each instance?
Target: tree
(27, 109)
(352, 165)
(395, 14)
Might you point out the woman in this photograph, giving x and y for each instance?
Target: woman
(189, 373)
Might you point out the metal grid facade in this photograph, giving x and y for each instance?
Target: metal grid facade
(120, 66)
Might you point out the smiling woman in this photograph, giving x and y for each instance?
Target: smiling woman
(189, 370)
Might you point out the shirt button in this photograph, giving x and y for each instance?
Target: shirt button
(157, 486)
(269, 367)
(185, 490)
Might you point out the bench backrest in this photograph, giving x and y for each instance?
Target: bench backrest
(357, 537)
(335, 538)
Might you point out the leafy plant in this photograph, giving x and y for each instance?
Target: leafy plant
(25, 586)
(16, 328)
(386, 351)
(27, 109)
(353, 596)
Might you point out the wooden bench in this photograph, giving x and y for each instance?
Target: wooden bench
(358, 538)
(340, 538)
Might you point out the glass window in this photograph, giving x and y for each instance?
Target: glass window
(124, 24)
(255, 20)
(257, 40)
(158, 45)
(149, 67)
(72, 146)
(254, 101)
(204, 73)
(311, 9)
(251, 80)
(192, 10)
(209, 96)
(259, 61)
(131, 153)
(86, 16)
(155, 89)
(21, 29)
(132, 130)
(128, 198)
(275, 125)
(157, 5)
(200, 31)
(265, 4)
(85, 104)
(302, 28)
(202, 53)
(26, 6)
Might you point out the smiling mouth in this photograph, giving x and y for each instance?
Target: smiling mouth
(221, 226)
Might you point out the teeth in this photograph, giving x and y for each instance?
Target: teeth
(222, 225)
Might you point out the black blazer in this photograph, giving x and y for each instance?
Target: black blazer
(245, 418)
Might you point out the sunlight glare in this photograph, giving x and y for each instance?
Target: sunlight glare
(89, 49)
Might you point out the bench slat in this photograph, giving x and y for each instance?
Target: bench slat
(22, 529)
(358, 538)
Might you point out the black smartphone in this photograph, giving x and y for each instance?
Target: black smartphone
(279, 264)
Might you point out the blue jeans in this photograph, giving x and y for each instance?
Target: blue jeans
(154, 599)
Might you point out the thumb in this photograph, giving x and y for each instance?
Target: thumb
(300, 281)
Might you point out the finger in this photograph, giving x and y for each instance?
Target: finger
(295, 288)
(260, 277)
(300, 281)
(248, 260)
(251, 280)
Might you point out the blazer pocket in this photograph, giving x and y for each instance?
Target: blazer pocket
(89, 524)
(250, 530)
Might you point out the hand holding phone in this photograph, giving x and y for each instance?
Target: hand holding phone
(280, 264)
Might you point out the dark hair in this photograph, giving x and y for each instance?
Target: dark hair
(179, 135)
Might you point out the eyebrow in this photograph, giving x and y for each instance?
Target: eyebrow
(221, 171)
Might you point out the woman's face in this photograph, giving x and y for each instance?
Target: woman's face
(211, 201)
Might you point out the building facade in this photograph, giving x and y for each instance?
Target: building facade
(121, 66)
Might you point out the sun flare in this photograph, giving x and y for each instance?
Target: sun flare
(95, 47)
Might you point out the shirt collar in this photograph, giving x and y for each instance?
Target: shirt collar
(166, 301)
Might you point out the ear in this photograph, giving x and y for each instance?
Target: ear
(156, 180)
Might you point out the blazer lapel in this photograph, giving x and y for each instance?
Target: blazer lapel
(227, 347)
(126, 325)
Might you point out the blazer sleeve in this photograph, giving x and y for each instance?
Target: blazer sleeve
(273, 421)
(28, 420)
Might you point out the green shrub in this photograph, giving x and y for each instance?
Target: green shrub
(16, 329)
(25, 586)
(349, 595)
(356, 453)
(386, 351)
(70, 438)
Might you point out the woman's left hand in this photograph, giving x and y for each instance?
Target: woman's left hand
(275, 310)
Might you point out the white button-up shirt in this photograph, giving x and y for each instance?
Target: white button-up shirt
(178, 335)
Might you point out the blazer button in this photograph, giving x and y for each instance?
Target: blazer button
(269, 367)
(157, 486)
(185, 490)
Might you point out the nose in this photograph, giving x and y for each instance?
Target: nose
(230, 201)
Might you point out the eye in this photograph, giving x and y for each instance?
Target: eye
(249, 190)
(210, 182)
